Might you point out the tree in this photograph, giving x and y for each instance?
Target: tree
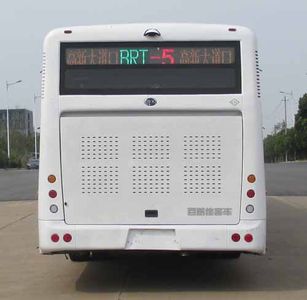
(22, 148)
(301, 127)
(294, 142)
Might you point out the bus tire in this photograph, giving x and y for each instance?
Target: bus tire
(80, 256)
(232, 255)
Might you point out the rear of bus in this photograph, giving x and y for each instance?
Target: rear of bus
(151, 139)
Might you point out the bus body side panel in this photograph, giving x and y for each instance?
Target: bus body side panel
(50, 156)
(253, 158)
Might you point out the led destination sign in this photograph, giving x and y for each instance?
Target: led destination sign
(206, 55)
(149, 68)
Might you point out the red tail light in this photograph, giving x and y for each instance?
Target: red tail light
(250, 193)
(67, 237)
(248, 238)
(236, 237)
(55, 238)
(52, 194)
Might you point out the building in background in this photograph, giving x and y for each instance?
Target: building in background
(21, 120)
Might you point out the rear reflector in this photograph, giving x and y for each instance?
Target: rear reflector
(236, 237)
(55, 238)
(52, 194)
(250, 193)
(250, 209)
(53, 208)
(67, 237)
(251, 178)
(51, 178)
(248, 238)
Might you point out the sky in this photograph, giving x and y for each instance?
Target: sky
(279, 25)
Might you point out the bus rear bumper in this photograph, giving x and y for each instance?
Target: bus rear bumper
(149, 237)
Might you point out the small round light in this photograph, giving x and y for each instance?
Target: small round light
(250, 193)
(52, 194)
(55, 238)
(236, 237)
(250, 209)
(248, 238)
(53, 208)
(51, 179)
(67, 237)
(251, 178)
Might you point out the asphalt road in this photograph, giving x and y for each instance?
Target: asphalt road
(284, 179)
(281, 180)
(18, 184)
(281, 274)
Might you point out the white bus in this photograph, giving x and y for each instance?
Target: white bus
(151, 140)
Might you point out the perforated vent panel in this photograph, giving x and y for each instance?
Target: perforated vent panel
(150, 147)
(98, 180)
(202, 179)
(258, 71)
(117, 167)
(43, 76)
(151, 179)
(202, 147)
(99, 147)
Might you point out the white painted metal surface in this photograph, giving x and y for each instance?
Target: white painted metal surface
(187, 167)
(153, 237)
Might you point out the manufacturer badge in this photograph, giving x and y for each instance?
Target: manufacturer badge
(234, 102)
(150, 101)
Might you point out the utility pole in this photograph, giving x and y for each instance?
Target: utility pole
(286, 125)
(34, 121)
(292, 99)
(8, 84)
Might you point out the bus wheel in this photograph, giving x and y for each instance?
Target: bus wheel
(101, 255)
(232, 255)
(80, 256)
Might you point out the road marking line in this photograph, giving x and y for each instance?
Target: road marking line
(12, 223)
(289, 202)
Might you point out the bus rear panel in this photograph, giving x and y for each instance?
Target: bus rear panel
(151, 142)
